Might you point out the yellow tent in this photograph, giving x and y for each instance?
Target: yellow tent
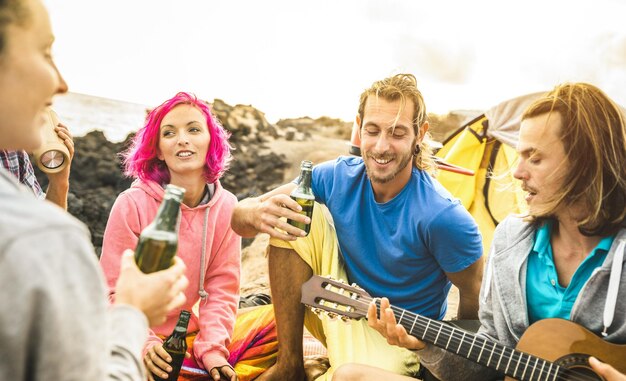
(486, 145)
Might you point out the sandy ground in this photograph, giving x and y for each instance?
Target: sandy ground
(317, 149)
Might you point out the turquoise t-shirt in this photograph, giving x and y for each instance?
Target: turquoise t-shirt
(401, 248)
(545, 297)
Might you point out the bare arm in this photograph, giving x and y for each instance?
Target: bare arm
(468, 282)
(265, 213)
(59, 183)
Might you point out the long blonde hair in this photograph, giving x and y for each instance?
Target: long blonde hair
(593, 133)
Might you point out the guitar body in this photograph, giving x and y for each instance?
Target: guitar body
(569, 345)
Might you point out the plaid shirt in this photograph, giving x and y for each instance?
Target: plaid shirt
(18, 163)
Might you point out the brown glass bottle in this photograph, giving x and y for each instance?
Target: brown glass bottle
(303, 195)
(158, 242)
(176, 346)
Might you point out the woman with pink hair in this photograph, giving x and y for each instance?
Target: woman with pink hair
(183, 144)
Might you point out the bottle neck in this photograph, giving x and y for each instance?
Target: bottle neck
(167, 215)
(305, 180)
(179, 332)
(182, 323)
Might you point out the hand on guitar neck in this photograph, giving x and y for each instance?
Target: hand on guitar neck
(387, 326)
(550, 349)
(395, 334)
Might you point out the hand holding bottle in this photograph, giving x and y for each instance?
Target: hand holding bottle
(165, 360)
(154, 294)
(157, 361)
(59, 181)
(268, 214)
(284, 213)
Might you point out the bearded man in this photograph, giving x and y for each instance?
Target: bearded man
(395, 231)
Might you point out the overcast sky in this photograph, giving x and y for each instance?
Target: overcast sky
(291, 58)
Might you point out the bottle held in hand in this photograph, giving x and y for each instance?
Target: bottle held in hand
(158, 242)
(53, 155)
(303, 195)
(176, 346)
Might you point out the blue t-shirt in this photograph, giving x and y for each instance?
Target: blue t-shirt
(546, 298)
(401, 248)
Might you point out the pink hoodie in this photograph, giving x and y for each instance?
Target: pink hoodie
(133, 210)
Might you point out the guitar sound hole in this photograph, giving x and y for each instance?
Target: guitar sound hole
(576, 366)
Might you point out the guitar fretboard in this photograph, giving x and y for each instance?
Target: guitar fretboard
(516, 364)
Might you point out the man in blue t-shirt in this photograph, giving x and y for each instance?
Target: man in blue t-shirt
(395, 232)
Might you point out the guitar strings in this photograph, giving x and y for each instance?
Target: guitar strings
(457, 337)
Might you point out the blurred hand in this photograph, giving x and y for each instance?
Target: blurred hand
(224, 372)
(154, 294)
(605, 370)
(157, 362)
(386, 326)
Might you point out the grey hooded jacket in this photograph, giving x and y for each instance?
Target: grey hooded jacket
(503, 311)
(55, 321)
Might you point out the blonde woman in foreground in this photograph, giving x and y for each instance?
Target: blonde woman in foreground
(55, 320)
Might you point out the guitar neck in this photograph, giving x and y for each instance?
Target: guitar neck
(516, 364)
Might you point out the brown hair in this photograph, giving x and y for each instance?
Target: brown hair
(593, 133)
(403, 87)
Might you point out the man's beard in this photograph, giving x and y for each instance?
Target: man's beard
(404, 161)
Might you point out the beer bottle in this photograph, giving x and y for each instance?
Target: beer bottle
(158, 242)
(176, 346)
(303, 195)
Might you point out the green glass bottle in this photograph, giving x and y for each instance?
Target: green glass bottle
(303, 195)
(158, 242)
(176, 346)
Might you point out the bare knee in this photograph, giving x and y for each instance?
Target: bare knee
(287, 263)
(349, 372)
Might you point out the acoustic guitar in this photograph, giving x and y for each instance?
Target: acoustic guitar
(550, 349)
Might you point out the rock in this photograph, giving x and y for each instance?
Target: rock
(290, 133)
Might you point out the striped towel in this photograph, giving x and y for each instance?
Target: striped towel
(253, 348)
